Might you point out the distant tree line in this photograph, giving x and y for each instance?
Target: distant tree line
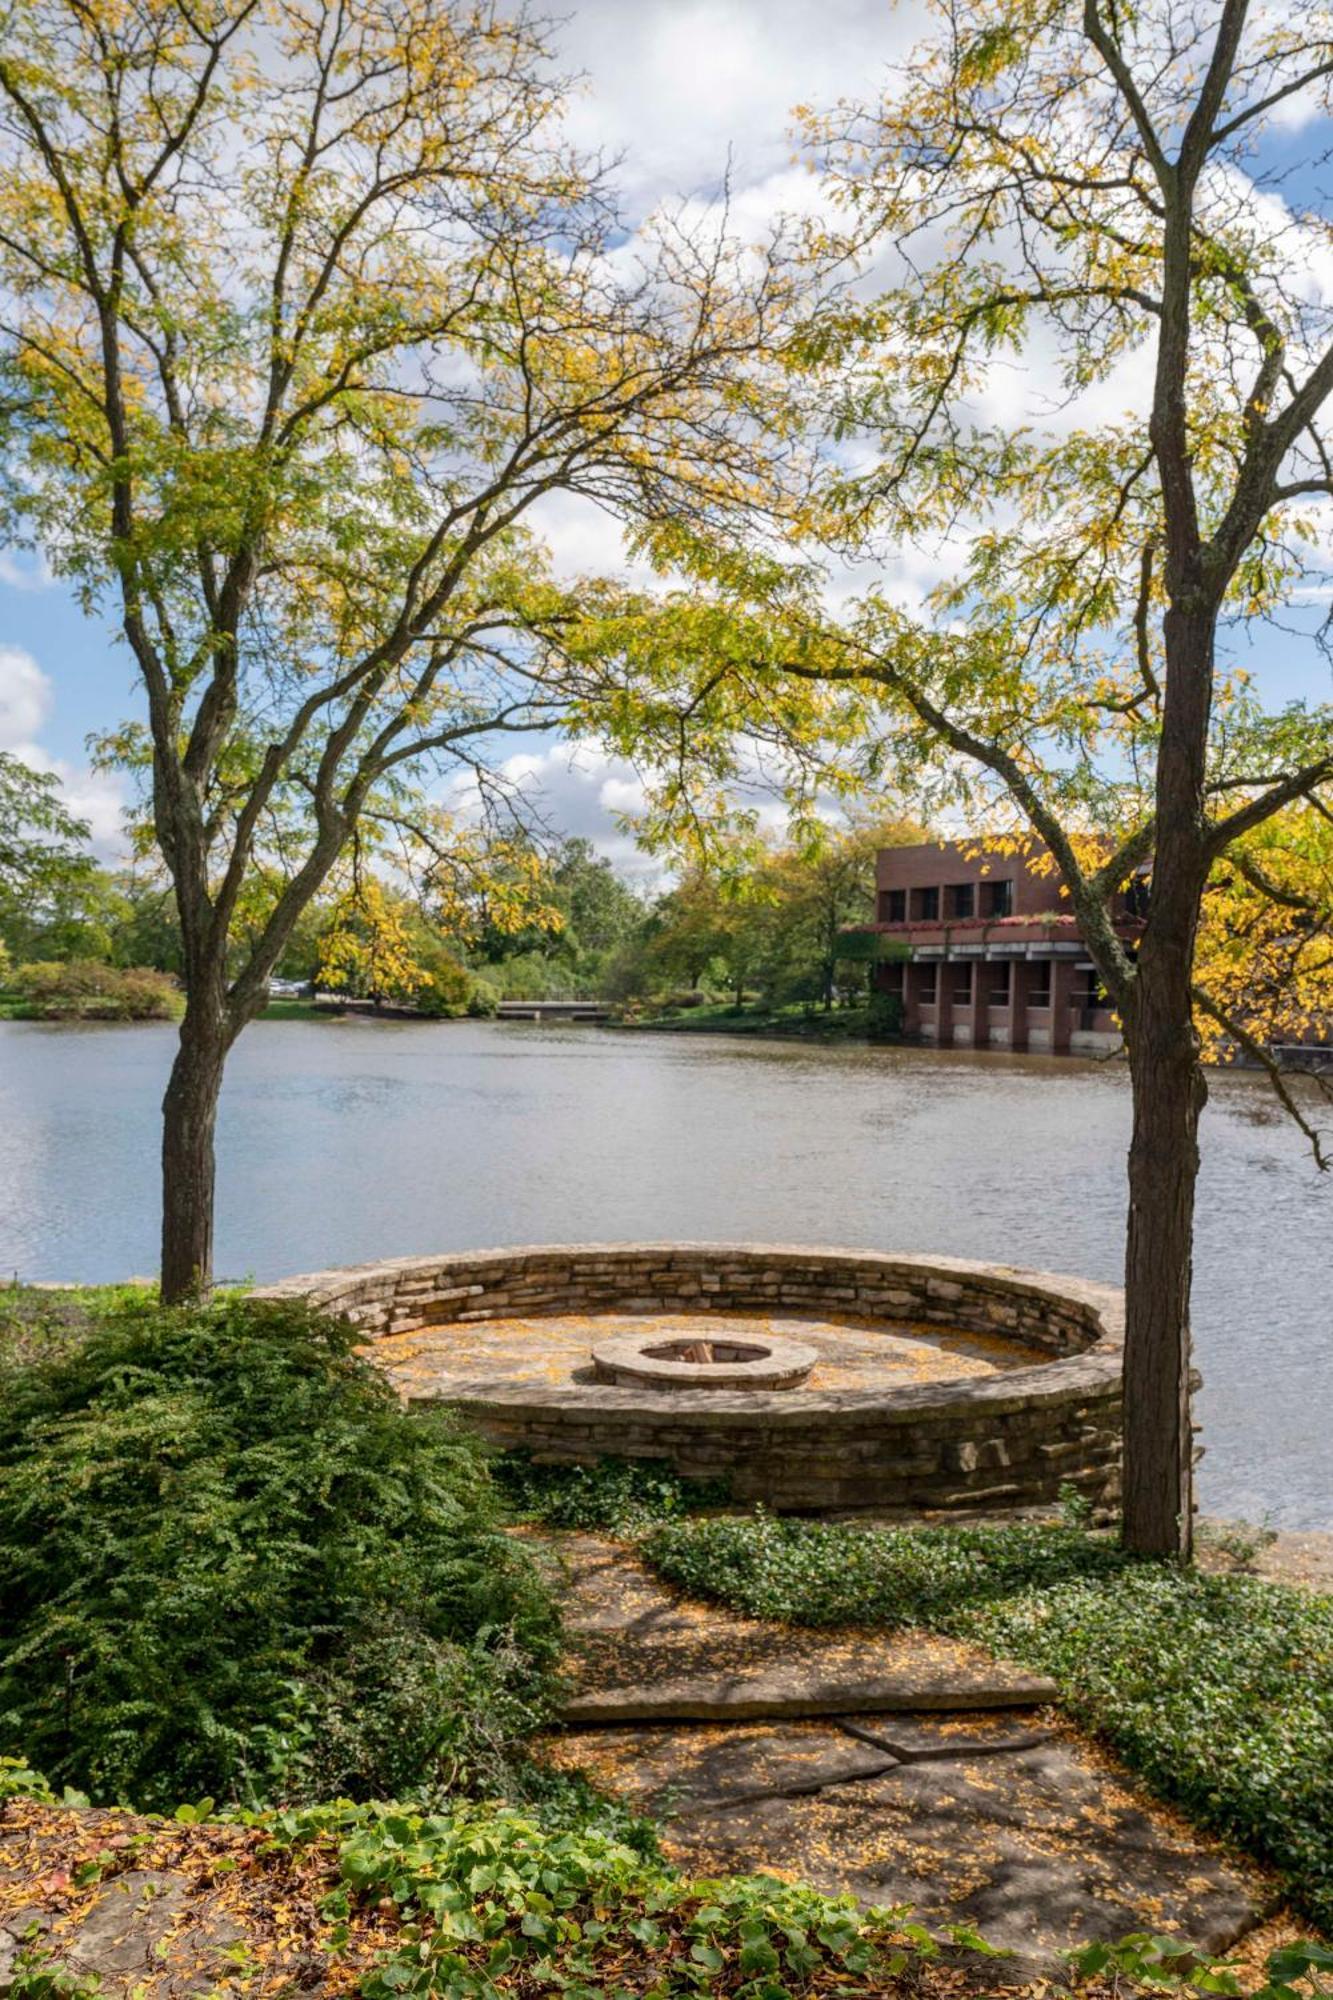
(763, 923)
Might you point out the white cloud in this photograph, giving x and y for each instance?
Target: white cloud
(575, 789)
(26, 701)
(583, 538)
(18, 573)
(579, 789)
(679, 87)
(25, 698)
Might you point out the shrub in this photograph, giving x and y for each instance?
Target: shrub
(82, 989)
(231, 1565)
(1218, 1689)
(619, 1493)
(483, 1000)
(447, 988)
(884, 1016)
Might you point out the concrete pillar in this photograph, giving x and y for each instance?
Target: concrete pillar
(1018, 1004)
(943, 1002)
(911, 998)
(980, 1005)
(1062, 998)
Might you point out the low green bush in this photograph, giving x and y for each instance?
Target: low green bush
(1217, 1689)
(483, 1001)
(884, 1016)
(451, 991)
(624, 1494)
(84, 990)
(231, 1564)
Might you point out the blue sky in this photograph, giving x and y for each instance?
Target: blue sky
(676, 88)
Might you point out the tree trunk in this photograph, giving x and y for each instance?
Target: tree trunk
(189, 1119)
(1169, 1094)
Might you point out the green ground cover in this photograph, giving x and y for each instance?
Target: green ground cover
(1216, 1689)
(625, 1495)
(478, 1900)
(297, 1010)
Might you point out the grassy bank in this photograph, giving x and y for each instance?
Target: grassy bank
(843, 1024)
(298, 1010)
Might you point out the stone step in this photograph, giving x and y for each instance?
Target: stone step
(639, 1652)
(799, 1688)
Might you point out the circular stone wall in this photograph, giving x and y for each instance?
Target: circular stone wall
(1009, 1438)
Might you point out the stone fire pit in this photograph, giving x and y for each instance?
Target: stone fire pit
(838, 1379)
(702, 1362)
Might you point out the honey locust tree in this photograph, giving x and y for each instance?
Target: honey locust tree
(306, 306)
(1081, 379)
(1100, 366)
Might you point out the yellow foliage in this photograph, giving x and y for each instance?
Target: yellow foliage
(368, 947)
(1265, 948)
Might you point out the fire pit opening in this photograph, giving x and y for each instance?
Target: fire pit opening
(705, 1353)
(700, 1361)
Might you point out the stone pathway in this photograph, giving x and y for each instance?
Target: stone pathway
(904, 1769)
(643, 1654)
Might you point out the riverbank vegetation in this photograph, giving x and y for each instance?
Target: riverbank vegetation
(82, 990)
(758, 941)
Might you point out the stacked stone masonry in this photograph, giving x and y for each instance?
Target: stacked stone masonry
(1002, 1441)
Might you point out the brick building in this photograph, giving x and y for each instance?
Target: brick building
(988, 954)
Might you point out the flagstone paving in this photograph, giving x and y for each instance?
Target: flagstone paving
(945, 1781)
(854, 1352)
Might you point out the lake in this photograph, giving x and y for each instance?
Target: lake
(346, 1141)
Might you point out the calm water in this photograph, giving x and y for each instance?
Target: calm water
(346, 1141)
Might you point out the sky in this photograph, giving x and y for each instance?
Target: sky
(683, 93)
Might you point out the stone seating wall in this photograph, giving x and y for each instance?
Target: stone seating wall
(1001, 1441)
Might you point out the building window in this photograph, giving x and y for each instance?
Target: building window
(997, 899)
(961, 899)
(962, 984)
(891, 978)
(1039, 983)
(893, 906)
(926, 905)
(927, 983)
(999, 978)
(1089, 993)
(1138, 894)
